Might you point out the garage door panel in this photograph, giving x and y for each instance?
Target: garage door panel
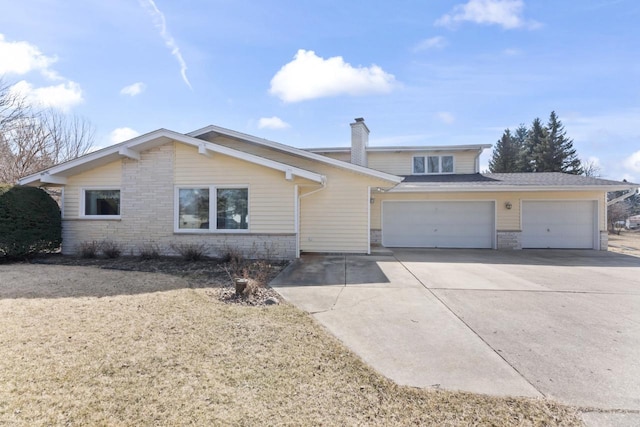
(558, 224)
(438, 224)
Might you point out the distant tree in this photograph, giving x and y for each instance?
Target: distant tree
(33, 139)
(590, 168)
(557, 153)
(542, 148)
(506, 155)
(531, 152)
(617, 214)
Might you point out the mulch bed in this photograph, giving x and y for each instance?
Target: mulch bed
(206, 273)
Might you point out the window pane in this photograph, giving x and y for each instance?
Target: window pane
(418, 165)
(447, 164)
(233, 208)
(102, 202)
(193, 208)
(433, 163)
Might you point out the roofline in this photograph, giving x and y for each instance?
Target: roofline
(297, 151)
(174, 136)
(516, 188)
(404, 148)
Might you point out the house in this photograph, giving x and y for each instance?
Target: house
(228, 189)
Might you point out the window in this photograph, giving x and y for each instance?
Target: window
(101, 203)
(432, 164)
(196, 208)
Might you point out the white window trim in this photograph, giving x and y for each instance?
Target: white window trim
(426, 164)
(83, 191)
(213, 209)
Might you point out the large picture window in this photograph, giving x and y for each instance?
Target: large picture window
(213, 208)
(101, 203)
(432, 165)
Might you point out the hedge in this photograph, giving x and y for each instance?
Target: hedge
(30, 222)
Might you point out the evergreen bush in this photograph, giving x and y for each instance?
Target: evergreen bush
(30, 222)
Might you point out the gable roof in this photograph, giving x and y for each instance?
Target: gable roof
(132, 148)
(533, 181)
(295, 152)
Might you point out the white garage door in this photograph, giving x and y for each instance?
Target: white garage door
(438, 224)
(559, 224)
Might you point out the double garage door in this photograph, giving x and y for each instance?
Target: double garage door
(438, 224)
(565, 224)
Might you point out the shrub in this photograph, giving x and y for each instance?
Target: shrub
(190, 251)
(88, 249)
(111, 249)
(30, 222)
(149, 251)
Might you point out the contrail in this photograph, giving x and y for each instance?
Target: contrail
(161, 24)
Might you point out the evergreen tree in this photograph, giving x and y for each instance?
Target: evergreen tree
(520, 138)
(506, 155)
(559, 154)
(532, 149)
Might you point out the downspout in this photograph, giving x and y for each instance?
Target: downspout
(299, 203)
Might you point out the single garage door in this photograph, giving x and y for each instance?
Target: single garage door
(562, 224)
(438, 224)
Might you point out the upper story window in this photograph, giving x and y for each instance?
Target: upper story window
(432, 164)
(101, 203)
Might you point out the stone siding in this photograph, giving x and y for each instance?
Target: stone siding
(604, 240)
(509, 240)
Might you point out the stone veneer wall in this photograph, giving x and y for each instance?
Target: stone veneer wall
(509, 240)
(604, 240)
(147, 217)
(376, 237)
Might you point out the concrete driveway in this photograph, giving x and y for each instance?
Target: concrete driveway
(559, 324)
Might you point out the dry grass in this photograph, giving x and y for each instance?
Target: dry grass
(627, 242)
(87, 346)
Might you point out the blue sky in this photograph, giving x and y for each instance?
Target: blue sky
(433, 72)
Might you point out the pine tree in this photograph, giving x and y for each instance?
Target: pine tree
(561, 156)
(506, 155)
(533, 147)
(520, 138)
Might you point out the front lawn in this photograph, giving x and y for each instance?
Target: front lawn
(89, 346)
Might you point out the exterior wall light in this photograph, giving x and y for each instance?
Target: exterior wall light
(508, 205)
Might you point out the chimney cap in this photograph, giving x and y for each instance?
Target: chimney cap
(359, 119)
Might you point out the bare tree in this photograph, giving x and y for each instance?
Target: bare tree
(590, 168)
(618, 214)
(32, 140)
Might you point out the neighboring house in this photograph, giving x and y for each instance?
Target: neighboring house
(228, 189)
(633, 222)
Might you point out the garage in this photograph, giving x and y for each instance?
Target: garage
(560, 224)
(443, 224)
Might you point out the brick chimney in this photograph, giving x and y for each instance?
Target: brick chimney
(359, 142)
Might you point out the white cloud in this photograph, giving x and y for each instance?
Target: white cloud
(445, 117)
(63, 96)
(437, 42)
(133, 89)
(633, 162)
(122, 134)
(309, 76)
(161, 24)
(272, 123)
(22, 57)
(506, 13)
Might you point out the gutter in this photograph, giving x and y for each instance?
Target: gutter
(623, 197)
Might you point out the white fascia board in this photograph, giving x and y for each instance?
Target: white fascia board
(510, 188)
(473, 147)
(129, 153)
(297, 152)
(126, 146)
